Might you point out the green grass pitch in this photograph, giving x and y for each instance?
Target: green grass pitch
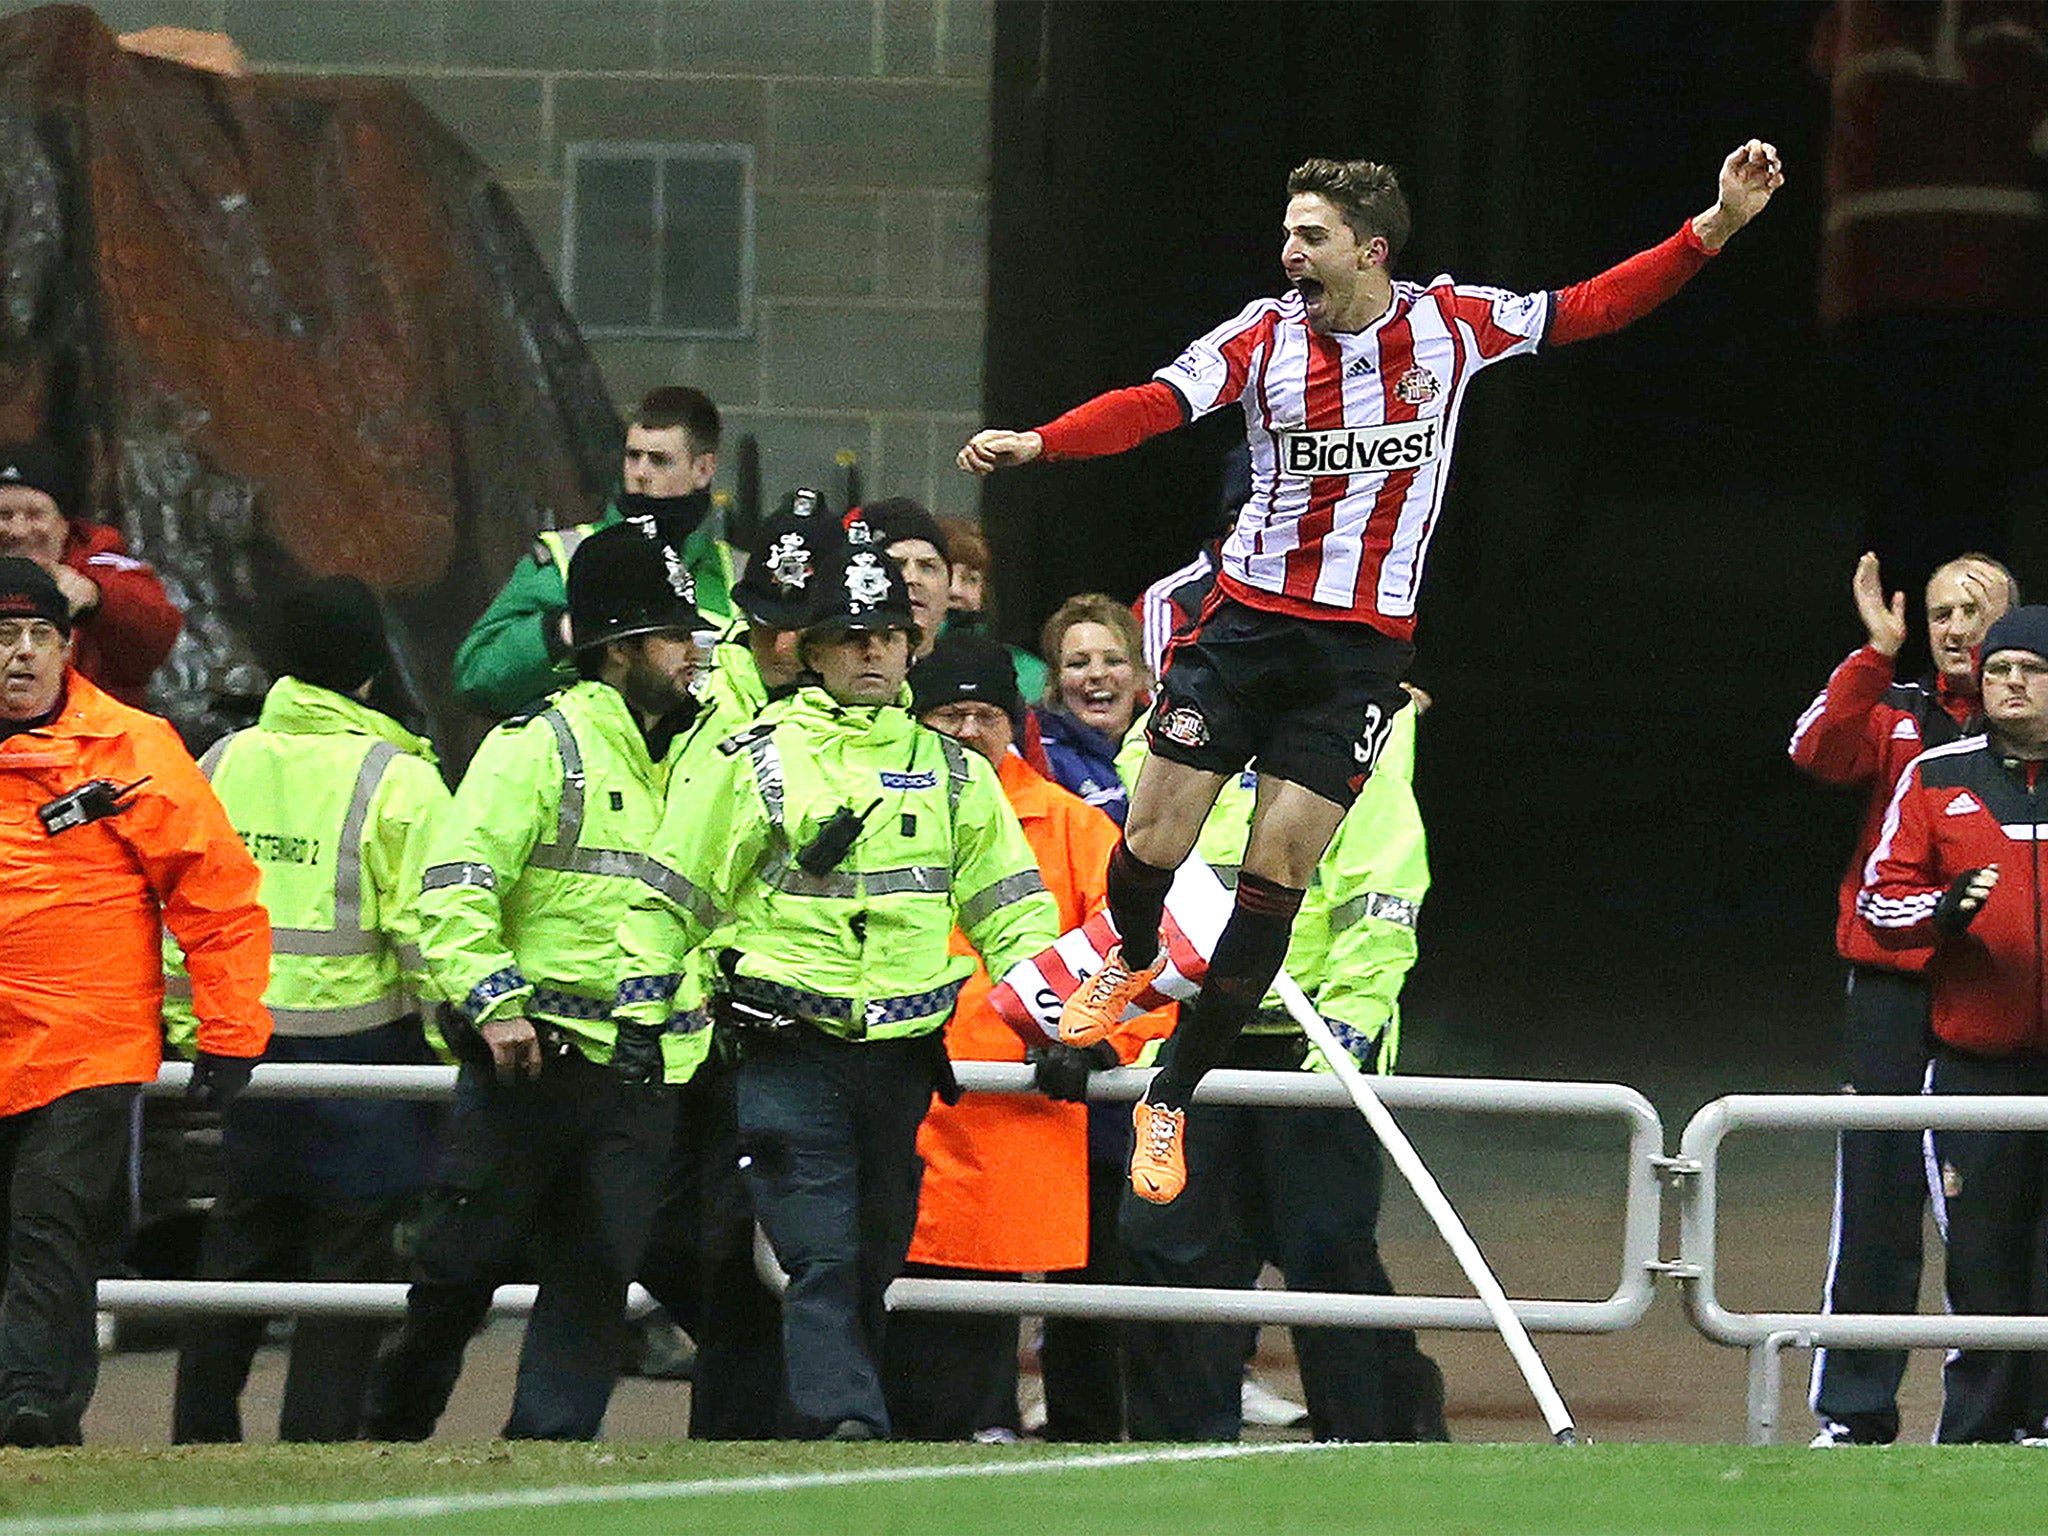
(903, 1490)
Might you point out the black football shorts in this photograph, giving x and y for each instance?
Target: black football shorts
(1311, 701)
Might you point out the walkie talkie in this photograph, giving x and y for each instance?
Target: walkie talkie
(94, 800)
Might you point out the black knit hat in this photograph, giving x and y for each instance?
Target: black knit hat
(27, 592)
(329, 633)
(37, 466)
(2021, 629)
(967, 667)
(891, 521)
(784, 576)
(622, 584)
(862, 589)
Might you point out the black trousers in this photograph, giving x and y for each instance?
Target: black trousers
(278, 1237)
(700, 1266)
(828, 1141)
(1300, 1188)
(1880, 1200)
(1994, 1198)
(63, 1178)
(1083, 1361)
(951, 1375)
(573, 1160)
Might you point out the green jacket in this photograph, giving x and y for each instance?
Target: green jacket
(337, 802)
(534, 865)
(512, 656)
(862, 951)
(1354, 940)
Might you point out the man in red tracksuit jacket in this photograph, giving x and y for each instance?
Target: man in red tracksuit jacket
(123, 624)
(1958, 867)
(1861, 733)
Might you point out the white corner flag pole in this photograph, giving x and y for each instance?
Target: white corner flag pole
(1409, 1161)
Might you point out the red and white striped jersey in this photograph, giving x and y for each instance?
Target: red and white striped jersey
(1351, 439)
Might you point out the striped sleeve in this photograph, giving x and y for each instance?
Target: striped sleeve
(1213, 370)
(1903, 880)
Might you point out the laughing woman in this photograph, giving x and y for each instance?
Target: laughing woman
(1098, 682)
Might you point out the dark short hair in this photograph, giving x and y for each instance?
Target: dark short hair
(1365, 193)
(678, 405)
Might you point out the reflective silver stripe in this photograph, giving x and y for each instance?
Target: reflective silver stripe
(917, 877)
(210, 759)
(1228, 874)
(783, 875)
(569, 813)
(324, 941)
(410, 958)
(348, 860)
(990, 898)
(767, 774)
(353, 1019)
(178, 986)
(441, 876)
(957, 773)
(1392, 909)
(587, 861)
(691, 898)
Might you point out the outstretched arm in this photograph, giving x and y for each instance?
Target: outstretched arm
(1625, 293)
(1110, 423)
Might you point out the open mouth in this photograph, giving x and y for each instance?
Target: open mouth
(1310, 289)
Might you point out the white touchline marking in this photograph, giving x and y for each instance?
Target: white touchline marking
(193, 1517)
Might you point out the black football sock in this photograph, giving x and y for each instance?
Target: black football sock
(1137, 901)
(1249, 953)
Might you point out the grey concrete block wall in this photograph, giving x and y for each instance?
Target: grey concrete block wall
(869, 124)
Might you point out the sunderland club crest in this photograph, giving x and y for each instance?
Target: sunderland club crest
(1418, 386)
(790, 564)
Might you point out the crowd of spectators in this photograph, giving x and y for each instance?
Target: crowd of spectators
(404, 921)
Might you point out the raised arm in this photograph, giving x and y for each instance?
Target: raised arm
(1624, 294)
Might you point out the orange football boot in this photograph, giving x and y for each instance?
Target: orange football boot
(1098, 1005)
(1159, 1163)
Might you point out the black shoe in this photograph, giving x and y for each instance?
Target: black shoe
(29, 1425)
(1417, 1390)
(854, 1429)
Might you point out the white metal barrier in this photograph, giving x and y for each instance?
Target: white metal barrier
(1632, 1294)
(1696, 1173)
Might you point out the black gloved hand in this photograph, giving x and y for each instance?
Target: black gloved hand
(1060, 1071)
(636, 1056)
(217, 1080)
(1960, 904)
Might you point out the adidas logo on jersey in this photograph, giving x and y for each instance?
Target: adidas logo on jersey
(1360, 367)
(1962, 805)
(1360, 450)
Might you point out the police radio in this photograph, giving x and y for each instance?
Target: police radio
(94, 800)
(821, 855)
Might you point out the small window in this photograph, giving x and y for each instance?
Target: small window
(658, 239)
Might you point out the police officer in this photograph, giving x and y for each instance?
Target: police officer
(560, 1128)
(336, 800)
(700, 1254)
(846, 842)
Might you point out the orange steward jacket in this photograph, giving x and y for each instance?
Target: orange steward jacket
(81, 946)
(1006, 1175)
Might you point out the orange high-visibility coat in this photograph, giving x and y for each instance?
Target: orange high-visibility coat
(82, 910)
(1006, 1175)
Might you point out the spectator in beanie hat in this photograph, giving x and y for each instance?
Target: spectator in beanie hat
(125, 623)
